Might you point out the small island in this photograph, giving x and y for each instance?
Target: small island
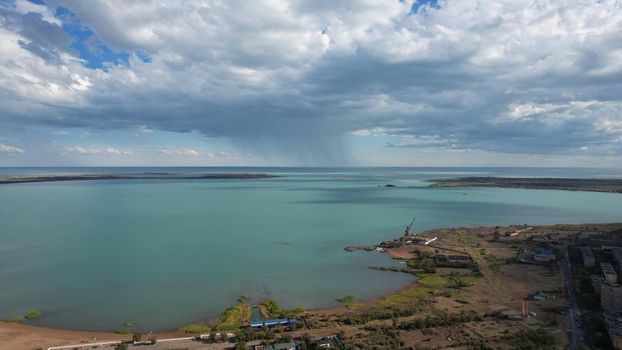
(549, 183)
(12, 179)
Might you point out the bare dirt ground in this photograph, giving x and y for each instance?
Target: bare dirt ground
(15, 336)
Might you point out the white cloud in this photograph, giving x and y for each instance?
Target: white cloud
(111, 151)
(302, 75)
(25, 6)
(83, 150)
(188, 152)
(119, 152)
(10, 149)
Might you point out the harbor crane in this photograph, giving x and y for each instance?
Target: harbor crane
(407, 230)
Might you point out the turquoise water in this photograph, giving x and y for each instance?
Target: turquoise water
(94, 255)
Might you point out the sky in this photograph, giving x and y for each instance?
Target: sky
(311, 83)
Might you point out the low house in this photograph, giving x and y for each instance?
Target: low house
(331, 342)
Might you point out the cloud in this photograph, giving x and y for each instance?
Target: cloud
(6, 149)
(99, 151)
(293, 78)
(83, 150)
(187, 152)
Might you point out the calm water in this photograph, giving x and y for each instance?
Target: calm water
(94, 255)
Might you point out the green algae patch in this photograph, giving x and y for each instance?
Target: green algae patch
(14, 320)
(32, 315)
(195, 329)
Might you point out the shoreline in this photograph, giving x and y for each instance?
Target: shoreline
(535, 183)
(24, 335)
(14, 179)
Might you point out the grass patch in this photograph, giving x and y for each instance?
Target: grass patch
(195, 329)
(32, 315)
(14, 320)
(294, 312)
(274, 310)
(431, 280)
(121, 331)
(234, 317)
(407, 295)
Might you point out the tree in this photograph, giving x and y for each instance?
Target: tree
(121, 346)
(496, 236)
(240, 345)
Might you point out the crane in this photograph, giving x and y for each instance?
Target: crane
(407, 230)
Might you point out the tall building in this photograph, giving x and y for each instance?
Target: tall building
(617, 254)
(611, 297)
(614, 328)
(588, 256)
(609, 272)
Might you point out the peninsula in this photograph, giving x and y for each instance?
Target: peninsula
(550, 183)
(130, 176)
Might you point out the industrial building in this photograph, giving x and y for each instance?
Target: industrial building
(588, 257)
(611, 297)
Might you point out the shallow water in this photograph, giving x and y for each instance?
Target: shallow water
(94, 255)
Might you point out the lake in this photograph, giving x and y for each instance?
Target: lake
(93, 255)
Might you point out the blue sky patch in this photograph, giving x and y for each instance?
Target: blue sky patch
(419, 3)
(93, 51)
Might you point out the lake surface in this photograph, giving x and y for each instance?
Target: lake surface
(163, 253)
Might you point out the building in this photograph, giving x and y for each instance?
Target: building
(588, 257)
(543, 255)
(331, 342)
(611, 297)
(279, 346)
(614, 328)
(536, 296)
(597, 281)
(610, 274)
(617, 254)
(273, 322)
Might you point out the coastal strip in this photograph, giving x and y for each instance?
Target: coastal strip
(131, 176)
(488, 285)
(549, 183)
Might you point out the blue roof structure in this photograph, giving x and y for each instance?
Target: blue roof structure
(543, 252)
(273, 322)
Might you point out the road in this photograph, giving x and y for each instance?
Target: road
(573, 326)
